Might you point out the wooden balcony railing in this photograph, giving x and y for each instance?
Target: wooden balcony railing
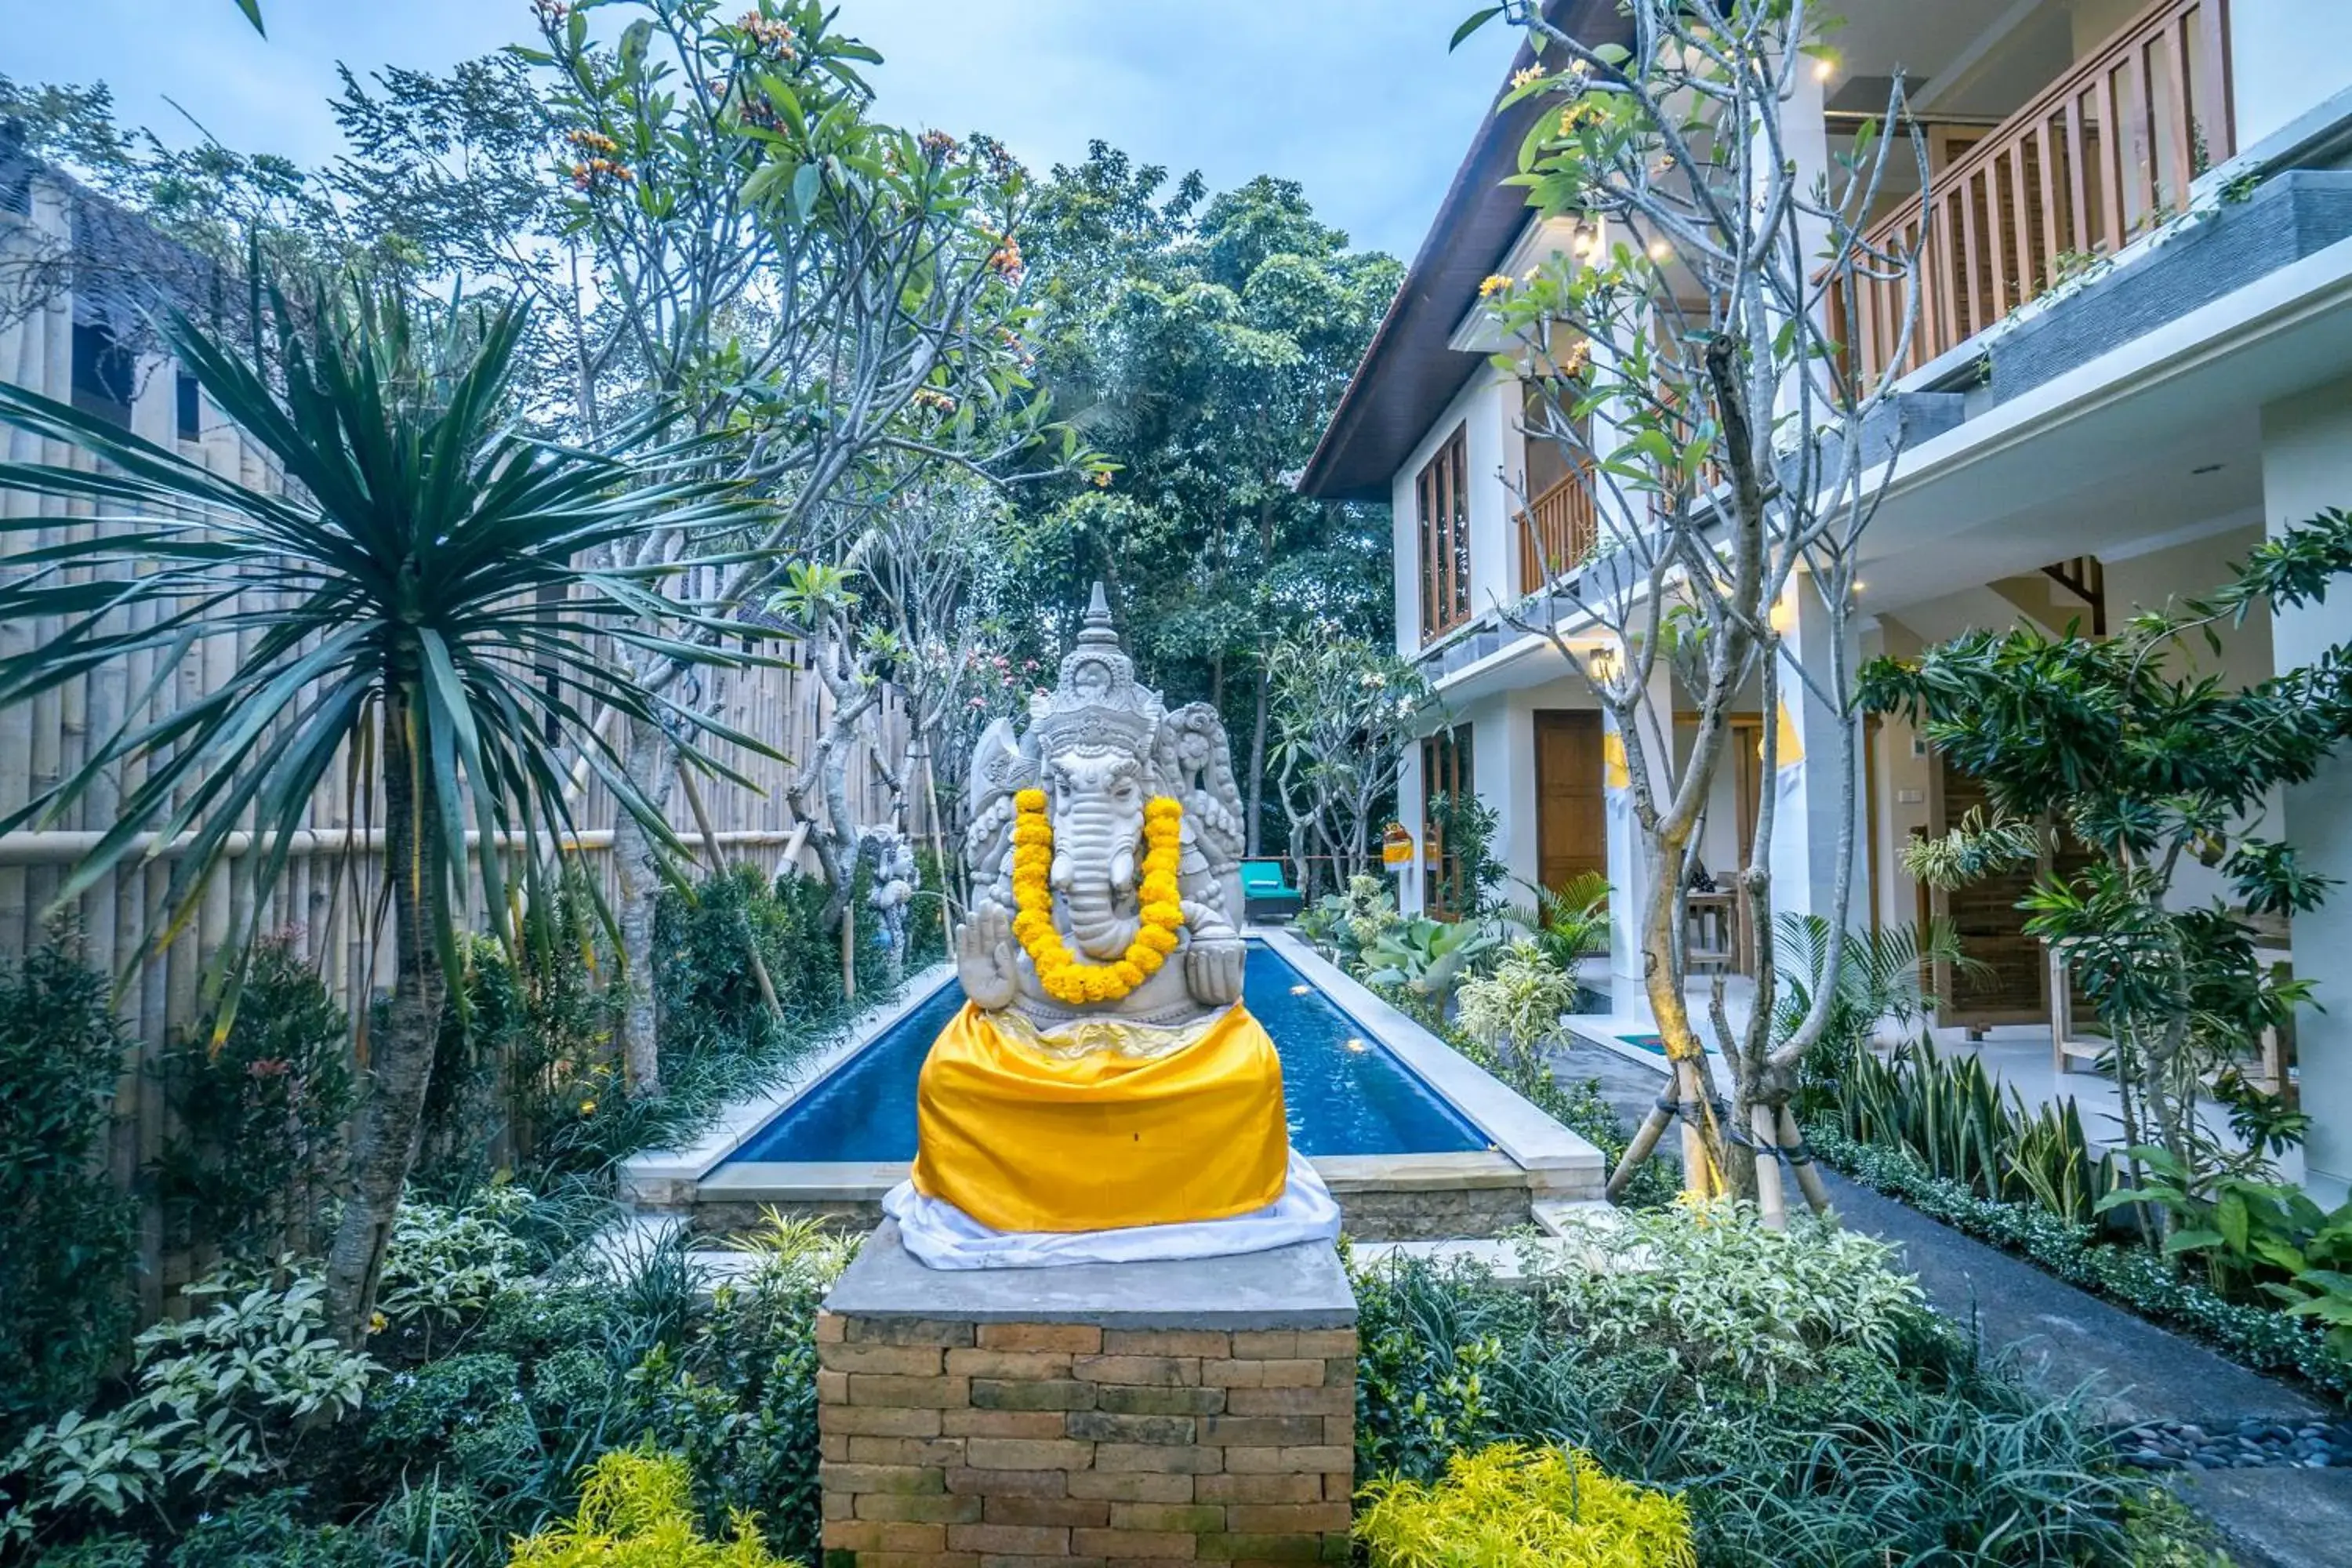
(1557, 529)
(2104, 154)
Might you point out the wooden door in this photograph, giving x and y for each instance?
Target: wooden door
(2015, 986)
(1572, 799)
(1748, 794)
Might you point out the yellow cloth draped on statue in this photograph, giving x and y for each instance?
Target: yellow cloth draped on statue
(1114, 1125)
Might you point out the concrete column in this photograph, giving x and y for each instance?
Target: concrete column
(1412, 799)
(2306, 467)
(1629, 874)
(1503, 734)
(1808, 808)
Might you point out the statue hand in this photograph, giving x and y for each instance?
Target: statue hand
(984, 957)
(1213, 972)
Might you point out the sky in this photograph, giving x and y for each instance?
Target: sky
(1358, 101)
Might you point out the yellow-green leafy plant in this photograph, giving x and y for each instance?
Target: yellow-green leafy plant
(1516, 1007)
(636, 1510)
(1510, 1506)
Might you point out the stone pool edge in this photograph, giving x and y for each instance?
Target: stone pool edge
(1532, 1163)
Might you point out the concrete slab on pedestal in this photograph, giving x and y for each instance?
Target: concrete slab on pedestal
(1301, 1287)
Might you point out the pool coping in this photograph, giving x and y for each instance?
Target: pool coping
(1525, 1147)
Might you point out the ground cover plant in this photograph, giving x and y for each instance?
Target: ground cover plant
(1847, 1426)
(514, 1395)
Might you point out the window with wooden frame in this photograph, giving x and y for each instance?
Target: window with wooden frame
(1442, 500)
(1445, 770)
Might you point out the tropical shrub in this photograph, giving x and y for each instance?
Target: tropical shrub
(1722, 1294)
(1569, 922)
(1427, 957)
(636, 1510)
(223, 1396)
(1469, 876)
(529, 1056)
(64, 1271)
(1514, 1007)
(1880, 981)
(740, 1398)
(2147, 763)
(1920, 1455)
(1353, 918)
(270, 1530)
(261, 1106)
(2255, 1236)
(1510, 1505)
(1963, 1123)
(447, 1263)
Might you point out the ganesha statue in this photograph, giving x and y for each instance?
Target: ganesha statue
(1104, 1094)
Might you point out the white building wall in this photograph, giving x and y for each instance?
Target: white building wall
(2286, 56)
(1486, 410)
(2307, 466)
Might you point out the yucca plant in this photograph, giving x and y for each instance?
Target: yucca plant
(413, 612)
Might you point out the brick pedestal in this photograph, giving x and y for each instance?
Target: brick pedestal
(1131, 1414)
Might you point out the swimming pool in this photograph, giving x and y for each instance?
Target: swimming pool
(1347, 1092)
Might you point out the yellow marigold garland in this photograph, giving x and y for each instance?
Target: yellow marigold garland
(1065, 976)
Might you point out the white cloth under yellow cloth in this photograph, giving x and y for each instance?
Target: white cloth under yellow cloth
(943, 1237)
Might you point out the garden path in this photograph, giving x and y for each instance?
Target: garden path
(2065, 1339)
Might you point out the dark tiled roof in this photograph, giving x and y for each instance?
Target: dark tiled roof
(1408, 375)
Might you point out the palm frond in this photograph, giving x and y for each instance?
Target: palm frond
(421, 559)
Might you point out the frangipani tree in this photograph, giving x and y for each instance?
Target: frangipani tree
(1342, 712)
(1680, 360)
(410, 617)
(836, 298)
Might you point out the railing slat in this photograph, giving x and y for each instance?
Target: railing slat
(1557, 528)
(2182, 141)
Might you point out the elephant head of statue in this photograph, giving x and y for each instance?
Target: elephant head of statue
(1095, 734)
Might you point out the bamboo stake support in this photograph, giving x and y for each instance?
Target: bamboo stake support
(1771, 1203)
(1800, 1161)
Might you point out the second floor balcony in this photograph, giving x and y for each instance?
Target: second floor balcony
(2104, 149)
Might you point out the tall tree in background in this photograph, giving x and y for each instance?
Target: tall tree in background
(823, 294)
(1201, 343)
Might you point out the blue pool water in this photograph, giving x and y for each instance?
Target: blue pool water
(1345, 1093)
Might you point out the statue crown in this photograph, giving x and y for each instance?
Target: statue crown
(1095, 702)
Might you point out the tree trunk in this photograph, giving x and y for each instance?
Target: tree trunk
(1257, 766)
(648, 764)
(400, 1065)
